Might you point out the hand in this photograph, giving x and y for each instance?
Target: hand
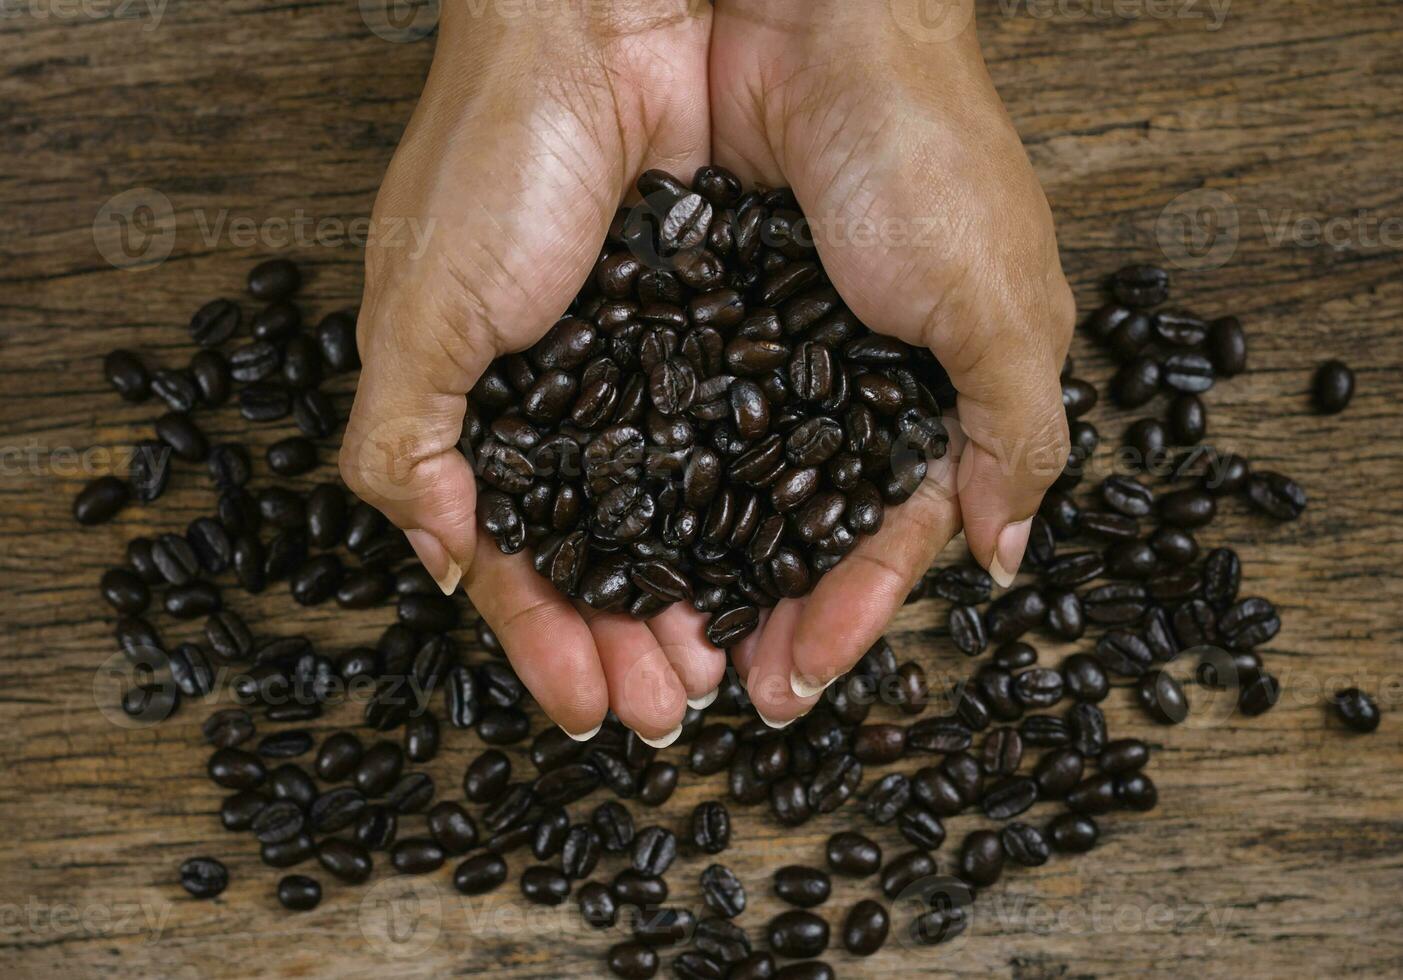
(931, 224)
(529, 132)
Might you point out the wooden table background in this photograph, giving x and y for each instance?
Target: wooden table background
(1277, 846)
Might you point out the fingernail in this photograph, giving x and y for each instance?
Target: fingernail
(803, 687)
(665, 741)
(434, 557)
(774, 724)
(1008, 552)
(587, 735)
(705, 700)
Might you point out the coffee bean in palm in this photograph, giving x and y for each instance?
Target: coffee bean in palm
(632, 961)
(203, 877)
(1276, 495)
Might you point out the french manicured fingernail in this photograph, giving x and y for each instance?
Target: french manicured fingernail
(665, 741)
(705, 700)
(587, 735)
(774, 724)
(804, 687)
(434, 557)
(1008, 552)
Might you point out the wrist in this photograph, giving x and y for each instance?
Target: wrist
(544, 25)
(860, 28)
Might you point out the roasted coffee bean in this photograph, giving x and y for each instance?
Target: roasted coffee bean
(1009, 797)
(287, 853)
(967, 630)
(905, 870)
(299, 893)
(1123, 755)
(1194, 624)
(1248, 623)
(981, 858)
(797, 934)
(1117, 603)
(1137, 382)
(1333, 387)
(1088, 728)
(228, 728)
(149, 474)
(345, 859)
(1058, 771)
(238, 811)
(654, 850)
(211, 373)
(600, 911)
(1162, 697)
(480, 874)
(176, 388)
(100, 500)
(1002, 751)
(1084, 678)
(128, 375)
(285, 745)
(631, 887)
(722, 891)
(853, 854)
(632, 961)
(1073, 833)
(1014, 613)
(1045, 731)
(278, 822)
(274, 279)
(710, 827)
(236, 769)
(1025, 845)
(1259, 694)
(203, 877)
(1356, 709)
(1276, 495)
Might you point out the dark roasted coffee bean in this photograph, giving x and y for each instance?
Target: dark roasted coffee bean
(1188, 372)
(1001, 752)
(274, 279)
(905, 870)
(228, 727)
(1137, 792)
(125, 591)
(299, 893)
(1084, 678)
(722, 891)
(345, 859)
(1014, 613)
(852, 854)
(176, 388)
(480, 874)
(149, 474)
(127, 375)
(1073, 833)
(287, 853)
(1162, 697)
(285, 745)
(631, 887)
(1248, 623)
(236, 769)
(1356, 709)
(1276, 495)
(1057, 772)
(1025, 845)
(632, 961)
(1332, 387)
(1088, 728)
(1259, 694)
(264, 402)
(238, 811)
(654, 850)
(710, 827)
(1123, 755)
(1044, 731)
(1009, 797)
(798, 934)
(203, 877)
(967, 630)
(981, 858)
(600, 911)
(1137, 382)
(100, 500)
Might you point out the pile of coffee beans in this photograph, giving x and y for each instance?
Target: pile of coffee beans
(659, 388)
(708, 422)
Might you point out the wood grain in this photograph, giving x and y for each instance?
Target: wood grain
(1277, 848)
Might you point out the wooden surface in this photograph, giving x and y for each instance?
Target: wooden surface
(1277, 847)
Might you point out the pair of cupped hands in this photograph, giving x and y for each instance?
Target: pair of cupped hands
(531, 130)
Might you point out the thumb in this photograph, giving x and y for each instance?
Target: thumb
(400, 451)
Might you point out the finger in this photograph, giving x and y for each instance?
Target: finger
(851, 606)
(1010, 410)
(767, 682)
(544, 637)
(681, 631)
(644, 691)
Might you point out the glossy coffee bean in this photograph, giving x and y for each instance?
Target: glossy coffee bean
(203, 877)
(852, 854)
(1356, 709)
(480, 874)
(865, 928)
(802, 886)
(299, 893)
